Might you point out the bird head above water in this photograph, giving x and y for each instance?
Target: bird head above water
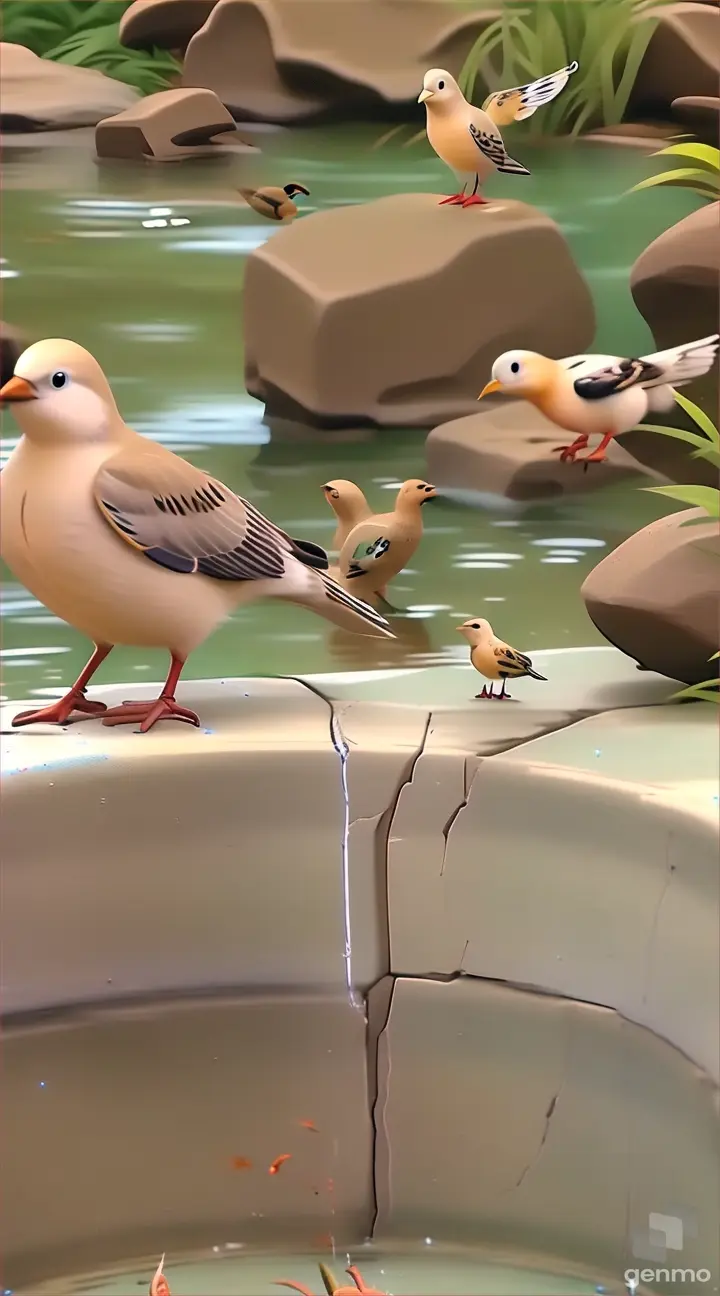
(440, 92)
(414, 493)
(476, 630)
(59, 393)
(343, 496)
(521, 373)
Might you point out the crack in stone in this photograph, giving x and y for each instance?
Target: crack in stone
(456, 813)
(379, 1091)
(548, 1121)
(652, 938)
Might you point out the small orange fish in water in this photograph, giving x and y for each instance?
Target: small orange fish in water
(337, 1291)
(159, 1284)
(279, 1161)
(309, 1125)
(241, 1163)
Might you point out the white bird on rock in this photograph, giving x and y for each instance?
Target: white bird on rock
(468, 139)
(599, 395)
(130, 544)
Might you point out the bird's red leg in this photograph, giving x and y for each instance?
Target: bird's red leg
(298, 1287)
(503, 694)
(454, 200)
(62, 712)
(149, 712)
(475, 199)
(484, 694)
(598, 455)
(568, 452)
(357, 1278)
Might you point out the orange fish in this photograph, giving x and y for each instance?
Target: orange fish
(159, 1284)
(309, 1125)
(241, 1163)
(278, 1162)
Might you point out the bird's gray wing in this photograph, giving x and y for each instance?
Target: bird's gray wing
(520, 102)
(616, 378)
(186, 521)
(372, 545)
(491, 146)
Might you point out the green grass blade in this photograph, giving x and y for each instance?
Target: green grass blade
(695, 151)
(670, 177)
(698, 416)
(633, 60)
(707, 691)
(706, 497)
(678, 434)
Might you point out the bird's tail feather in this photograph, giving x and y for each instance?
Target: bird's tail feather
(322, 594)
(511, 167)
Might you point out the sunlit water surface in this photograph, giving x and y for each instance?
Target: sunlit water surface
(91, 252)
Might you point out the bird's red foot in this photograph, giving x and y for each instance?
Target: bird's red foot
(567, 453)
(598, 456)
(61, 712)
(475, 201)
(149, 712)
(480, 697)
(454, 200)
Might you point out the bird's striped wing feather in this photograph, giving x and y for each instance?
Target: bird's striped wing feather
(511, 662)
(491, 146)
(366, 554)
(523, 101)
(681, 364)
(188, 522)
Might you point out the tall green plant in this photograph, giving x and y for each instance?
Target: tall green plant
(707, 691)
(706, 445)
(84, 33)
(607, 37)
(703, 180)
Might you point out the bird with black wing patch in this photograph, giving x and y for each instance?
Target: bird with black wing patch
(494, 659)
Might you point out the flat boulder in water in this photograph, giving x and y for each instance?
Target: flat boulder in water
(391, 313)
(38, 94)
(166, 126)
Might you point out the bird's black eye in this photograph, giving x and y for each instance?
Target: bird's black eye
(59, 379)
(475, 625)
(441, 85)
(421, 486)
(514, 367)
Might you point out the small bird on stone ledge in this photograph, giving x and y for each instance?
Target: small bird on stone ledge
(599, 395)
(159, 1285)
(349, 506)
(331, 1285)
(467, 139)
(377, 549)
(273, 203)
(129, 543)
(494, 659)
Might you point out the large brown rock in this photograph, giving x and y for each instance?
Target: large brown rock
(676, 286)
(290, 60)
(392, 312)
(166, 126)
(509, 449)
(38, 94)
(657, 596)
(683, 58)
(701, 114)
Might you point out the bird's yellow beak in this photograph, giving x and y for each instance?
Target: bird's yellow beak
(18, 389)
(425, 95)
(490, 387)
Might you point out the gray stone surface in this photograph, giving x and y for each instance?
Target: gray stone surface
(518, 1119)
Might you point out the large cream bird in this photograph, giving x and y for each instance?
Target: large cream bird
(349, 505)
(599, 395)
(468, 139)
(377, 549)
(494, 659)
(129, 543)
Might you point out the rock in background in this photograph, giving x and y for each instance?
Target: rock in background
(38, 94)
(683, 58)
(167, 126)
(509, 449)
(12, 345)
(656, 596)
(392, 312)
(296, 60)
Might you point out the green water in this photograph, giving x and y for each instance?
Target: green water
(161, 307)
(426, 1270)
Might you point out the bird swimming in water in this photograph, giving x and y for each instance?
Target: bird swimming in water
(349, 505)
(377, 549)
(129, 543)
(599, 395)
(467, 139)
(494, 659)
(274, 203)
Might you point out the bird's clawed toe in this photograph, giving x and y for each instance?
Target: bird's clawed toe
(149, 712)
(454, 200)
(475, 201)
(61, 712)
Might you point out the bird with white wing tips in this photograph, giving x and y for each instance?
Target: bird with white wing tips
(129, 543)
(599, 395)
(494, 659)
(467, 139)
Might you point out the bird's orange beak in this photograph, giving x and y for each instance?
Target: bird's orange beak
(18, 389)
(489, 388)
